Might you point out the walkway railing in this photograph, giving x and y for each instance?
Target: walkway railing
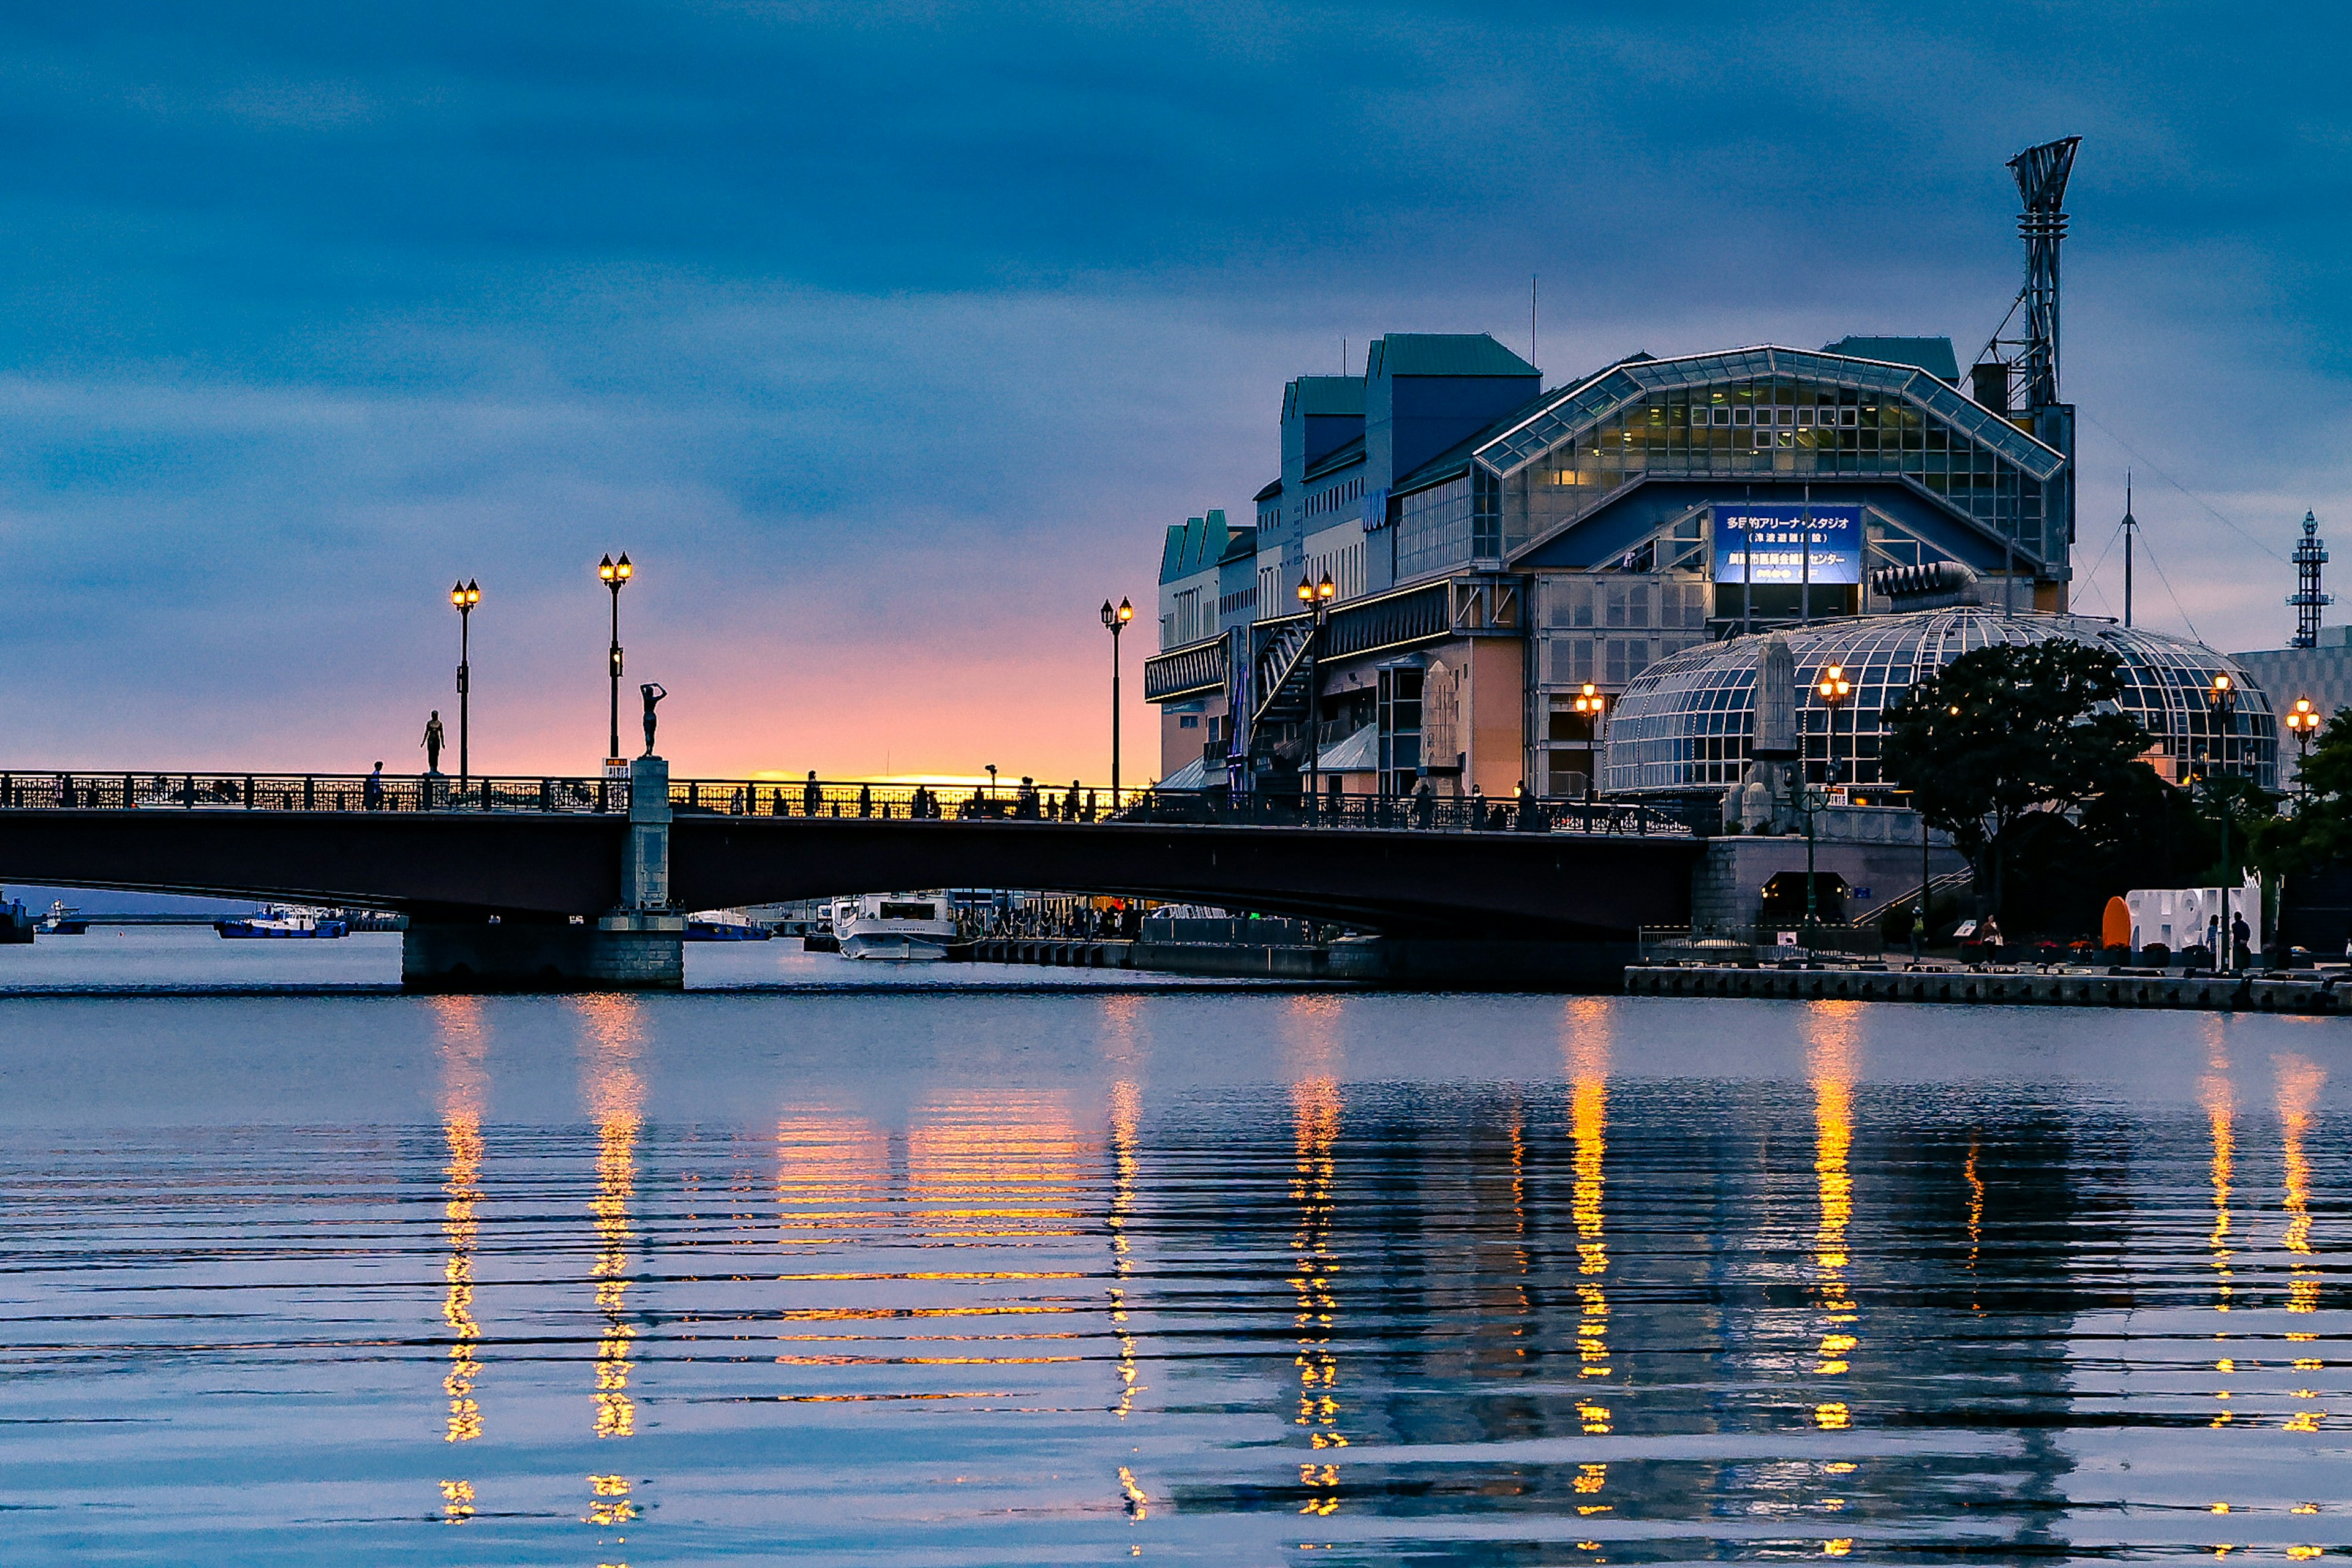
(441, 793)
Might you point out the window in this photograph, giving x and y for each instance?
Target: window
(897, 912)
(1187, 721)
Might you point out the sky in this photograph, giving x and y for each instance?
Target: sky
(888, 339)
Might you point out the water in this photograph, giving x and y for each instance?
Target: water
(1014, 1270)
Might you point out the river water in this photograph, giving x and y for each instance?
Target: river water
(963, 1265)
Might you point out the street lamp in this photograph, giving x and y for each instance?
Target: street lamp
(616, 575)
(464, 597)
(1115, 622)
(2224, 701)
(1834, 690)
(1590, 703)
(2301, 722)
(1316, 599)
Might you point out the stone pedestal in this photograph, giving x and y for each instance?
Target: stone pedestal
(623, 951)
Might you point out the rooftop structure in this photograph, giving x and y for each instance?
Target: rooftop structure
(1687, 724)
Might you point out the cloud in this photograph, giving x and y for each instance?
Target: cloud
(888, 338)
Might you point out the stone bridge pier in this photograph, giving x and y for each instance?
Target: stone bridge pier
(638, 947)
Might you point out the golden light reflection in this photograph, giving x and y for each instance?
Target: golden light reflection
(1126, 1114)
(1315, 1106)
(833, 1175)
(464, 1091)
(1829, 1066)
(1004, 1167)
(2215, 1093)
(616, 1098)
(2299, 1083)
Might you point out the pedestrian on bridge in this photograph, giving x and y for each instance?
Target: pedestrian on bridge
(811, 797)
(372, 792)
(435, 738)
(865, 800)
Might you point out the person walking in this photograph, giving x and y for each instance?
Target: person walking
(1425, 805)
(372, 792)
(435, 738)
(2241, 939)
(865, 800)
(1477, 809)
(811, 797)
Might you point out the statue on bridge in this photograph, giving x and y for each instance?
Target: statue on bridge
(435, 738)
(653, 692)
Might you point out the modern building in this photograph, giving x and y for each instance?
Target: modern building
(1498, 549)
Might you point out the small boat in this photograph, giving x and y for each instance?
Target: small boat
(282, 924)
(724, 925)
(63, 921)
(896, 926)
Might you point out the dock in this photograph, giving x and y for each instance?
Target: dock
(2294, 990)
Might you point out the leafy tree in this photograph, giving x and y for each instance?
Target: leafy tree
(2320, 832)
(2004, 731)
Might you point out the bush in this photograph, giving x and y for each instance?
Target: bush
(2117, 955)
(2197, 957)
(2156, 956)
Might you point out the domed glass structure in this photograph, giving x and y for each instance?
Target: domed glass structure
(1684, 725)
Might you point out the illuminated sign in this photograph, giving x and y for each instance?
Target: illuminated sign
(1772, 541)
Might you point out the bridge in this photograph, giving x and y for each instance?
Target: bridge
(508, 879)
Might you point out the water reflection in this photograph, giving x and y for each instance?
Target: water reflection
(465, 1085)
(1829, 1062)
(1575, 1311)
(612, 1033)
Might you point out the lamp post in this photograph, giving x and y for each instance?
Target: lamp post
(1316, 598)
(464, 597)
(616, 575)
(1115, 622)
(2224, 699)
(2301, 722)
(1834, 690)
(1589, 703)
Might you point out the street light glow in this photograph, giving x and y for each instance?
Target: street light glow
(1126, 612)
(605, 568)
(622, 568)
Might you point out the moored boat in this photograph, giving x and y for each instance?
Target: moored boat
(896, 926)
(273, 923)
(724, 925)
(62, 920)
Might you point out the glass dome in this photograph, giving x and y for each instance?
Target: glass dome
(1684, 724)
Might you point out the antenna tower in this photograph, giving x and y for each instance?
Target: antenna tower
(2309, 556)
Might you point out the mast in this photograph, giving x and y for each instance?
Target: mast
(2131, 526)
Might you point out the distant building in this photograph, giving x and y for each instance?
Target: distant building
(2323, 673)
(1496, 549)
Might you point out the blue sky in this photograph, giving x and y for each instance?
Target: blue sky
(887, 338)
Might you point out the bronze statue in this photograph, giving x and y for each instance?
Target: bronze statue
(652, 692)
(435, 738)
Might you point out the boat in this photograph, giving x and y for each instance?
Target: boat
(63, 921)
(274, 922)
(724, 925)
(16, 925)
(896, 926)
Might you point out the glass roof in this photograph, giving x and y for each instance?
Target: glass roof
(1576, 409)
(1686, 722)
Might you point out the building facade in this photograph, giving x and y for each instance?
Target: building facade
(1494, 548)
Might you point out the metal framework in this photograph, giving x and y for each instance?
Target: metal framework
(2310, 555)
(2041, 174)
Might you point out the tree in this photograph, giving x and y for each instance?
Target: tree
(2319, 834)
(2004, 731)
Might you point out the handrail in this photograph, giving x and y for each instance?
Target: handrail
(442, 794)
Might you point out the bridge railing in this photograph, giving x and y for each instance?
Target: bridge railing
(442, 793)
(305, 791)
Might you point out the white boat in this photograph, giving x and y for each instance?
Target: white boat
(897, 926)
(275, 923)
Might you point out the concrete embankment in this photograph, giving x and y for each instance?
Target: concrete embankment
(2056, 988)
(1377, 961)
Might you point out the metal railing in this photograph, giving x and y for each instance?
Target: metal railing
(441, 793)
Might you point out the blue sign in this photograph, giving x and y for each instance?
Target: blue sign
(1771, 542)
